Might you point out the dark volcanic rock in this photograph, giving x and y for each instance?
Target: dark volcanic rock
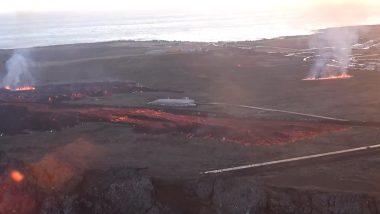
(246, 196)
(18, 119)
(119, 190)
(238, 196)
(205, 188)
(284, 200)
(124, 190)
(63, 204)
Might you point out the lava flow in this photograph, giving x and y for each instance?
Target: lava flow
(22, 88)
(23, 110)
(56, 93)
(342, 76)
(18, 117)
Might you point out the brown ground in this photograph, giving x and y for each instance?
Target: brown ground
(207, 73)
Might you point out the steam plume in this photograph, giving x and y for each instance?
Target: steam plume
(18, 69)
(333, 52)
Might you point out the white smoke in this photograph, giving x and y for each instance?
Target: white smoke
(18, 70)
(333, 51)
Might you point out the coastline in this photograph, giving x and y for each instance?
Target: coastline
(122, 42)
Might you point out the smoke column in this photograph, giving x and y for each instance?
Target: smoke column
(333, 52)
(18, 69)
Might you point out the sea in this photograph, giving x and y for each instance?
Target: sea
(21, 30)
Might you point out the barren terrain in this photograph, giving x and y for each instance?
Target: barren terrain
(65, 146)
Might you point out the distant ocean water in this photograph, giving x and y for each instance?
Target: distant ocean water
(31, 30)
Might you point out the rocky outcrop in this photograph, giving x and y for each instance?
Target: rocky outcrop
(125, 190)
(116, 191)
(238, 196)
(247, 196)
(120, 190)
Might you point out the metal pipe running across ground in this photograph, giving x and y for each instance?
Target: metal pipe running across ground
(278, 110)
(292, 159)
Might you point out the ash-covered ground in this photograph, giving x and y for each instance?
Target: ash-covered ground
(93, 151)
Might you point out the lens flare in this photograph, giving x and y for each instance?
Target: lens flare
(16, 176)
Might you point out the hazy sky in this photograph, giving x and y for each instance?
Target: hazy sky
(138, 5)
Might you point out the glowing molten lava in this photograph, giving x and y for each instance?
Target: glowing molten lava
(150, 121)
(26, 88)
(342, 76)
(22, 111)
(23, 88)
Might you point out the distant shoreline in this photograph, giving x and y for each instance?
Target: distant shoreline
(112, 42)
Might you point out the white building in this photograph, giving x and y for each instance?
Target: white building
(184, 102)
